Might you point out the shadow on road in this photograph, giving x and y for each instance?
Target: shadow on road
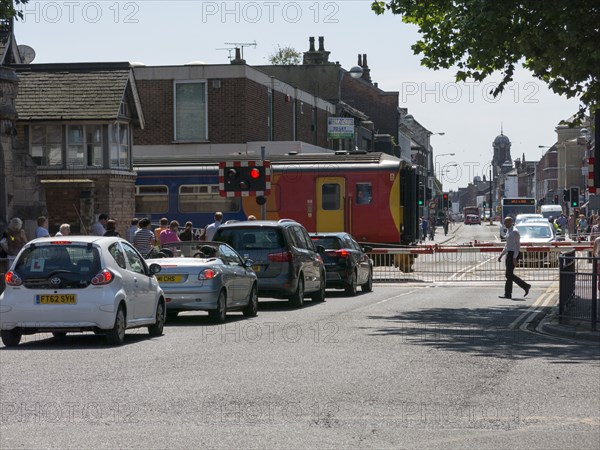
(479, 331)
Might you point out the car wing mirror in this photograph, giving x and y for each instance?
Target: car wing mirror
(367, 249)
(320, 249)
(248, 263)
(155, 268)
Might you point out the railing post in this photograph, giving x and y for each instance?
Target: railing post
(594, 293)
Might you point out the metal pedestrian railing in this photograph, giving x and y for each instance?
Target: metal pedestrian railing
(474, 262)
(578, 292)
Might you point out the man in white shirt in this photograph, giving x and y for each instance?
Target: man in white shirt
(212, 228)
(99, 228)
(511, 250)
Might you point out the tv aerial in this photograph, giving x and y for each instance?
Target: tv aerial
(241, 46)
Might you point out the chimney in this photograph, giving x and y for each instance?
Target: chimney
(313, 56)
(238, 57)
(359, 60)
(366, 71)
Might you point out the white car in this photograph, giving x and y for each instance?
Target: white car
(80, 283)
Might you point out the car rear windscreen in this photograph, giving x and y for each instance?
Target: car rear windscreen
(251, 238)
(41, 260)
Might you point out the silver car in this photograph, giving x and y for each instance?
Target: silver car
(207, 276)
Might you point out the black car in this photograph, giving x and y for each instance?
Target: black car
(346, 262)
(284, 258)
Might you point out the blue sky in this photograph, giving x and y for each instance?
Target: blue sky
(177, 32)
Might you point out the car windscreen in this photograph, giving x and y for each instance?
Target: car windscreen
(534, 231)
(40, 260)
(251, 238)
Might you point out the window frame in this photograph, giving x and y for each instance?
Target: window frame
(203, 138)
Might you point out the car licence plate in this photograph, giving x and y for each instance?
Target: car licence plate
(169, 278)
(256, 268)
(56, 299)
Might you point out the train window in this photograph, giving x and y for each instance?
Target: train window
(195, 198)
(151, 199)
(364, 193)
(330, 195)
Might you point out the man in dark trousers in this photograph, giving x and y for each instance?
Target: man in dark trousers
(511, 250)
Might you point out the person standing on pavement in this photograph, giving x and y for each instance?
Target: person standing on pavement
(133, 227)
(511, 250)
(212, 228)
(143, 240)
(42, 229)
(99, 228)
(64, 230)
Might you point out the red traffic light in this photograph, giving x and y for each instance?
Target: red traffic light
(254, 173)
(445, 196)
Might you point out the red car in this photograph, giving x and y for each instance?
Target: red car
(472, 219)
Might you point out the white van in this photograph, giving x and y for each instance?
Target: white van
(551, 210)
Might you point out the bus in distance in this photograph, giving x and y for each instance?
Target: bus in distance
(513, 207)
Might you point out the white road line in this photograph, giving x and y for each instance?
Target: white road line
(542, 301)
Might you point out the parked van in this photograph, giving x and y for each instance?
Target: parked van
(551, 210)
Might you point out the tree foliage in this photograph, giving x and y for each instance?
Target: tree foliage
(285, 56)
(558, 40)
(10, 9)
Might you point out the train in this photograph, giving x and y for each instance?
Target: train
(371, 195)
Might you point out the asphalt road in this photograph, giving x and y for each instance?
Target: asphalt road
(418, 365)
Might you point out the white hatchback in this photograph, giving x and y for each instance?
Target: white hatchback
(80, 283)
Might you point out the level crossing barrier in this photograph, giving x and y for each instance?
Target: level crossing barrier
(472, 262)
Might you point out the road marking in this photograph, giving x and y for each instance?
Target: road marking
(542, 301)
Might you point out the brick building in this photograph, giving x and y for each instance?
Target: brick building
(72, 148)
(225, 109)
(375, 111)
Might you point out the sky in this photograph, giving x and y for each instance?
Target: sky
(160, 32)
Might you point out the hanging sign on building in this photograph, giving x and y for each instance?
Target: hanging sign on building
(340, 128)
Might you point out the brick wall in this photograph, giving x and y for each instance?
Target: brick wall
(156, 97)
(380, 106)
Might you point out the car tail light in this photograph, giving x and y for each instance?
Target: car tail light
(280, 257)
(60, 242)
(104, 277)
(207, 274)
(12, 279)
(339, 253)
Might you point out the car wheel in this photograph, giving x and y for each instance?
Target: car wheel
(156, 329)
(368, 286)
(352, 286)
(11, 338)
(319, 296)
(297, 299)
(116, 335)
(251, 309)
(218, 315)
(59, 334)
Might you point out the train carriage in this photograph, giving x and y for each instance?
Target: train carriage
(370, 195)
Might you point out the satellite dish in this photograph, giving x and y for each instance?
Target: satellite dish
(27, 53)
(137, 64)
(195, 63)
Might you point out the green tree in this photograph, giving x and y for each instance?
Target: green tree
(557, 40)
(10, 9)
(285, 56)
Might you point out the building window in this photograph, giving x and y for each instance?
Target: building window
(84, 146)
(205, 198)
(46, 145)
(119, 145)
(190, 111)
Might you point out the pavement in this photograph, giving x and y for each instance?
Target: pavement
(579, 330)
